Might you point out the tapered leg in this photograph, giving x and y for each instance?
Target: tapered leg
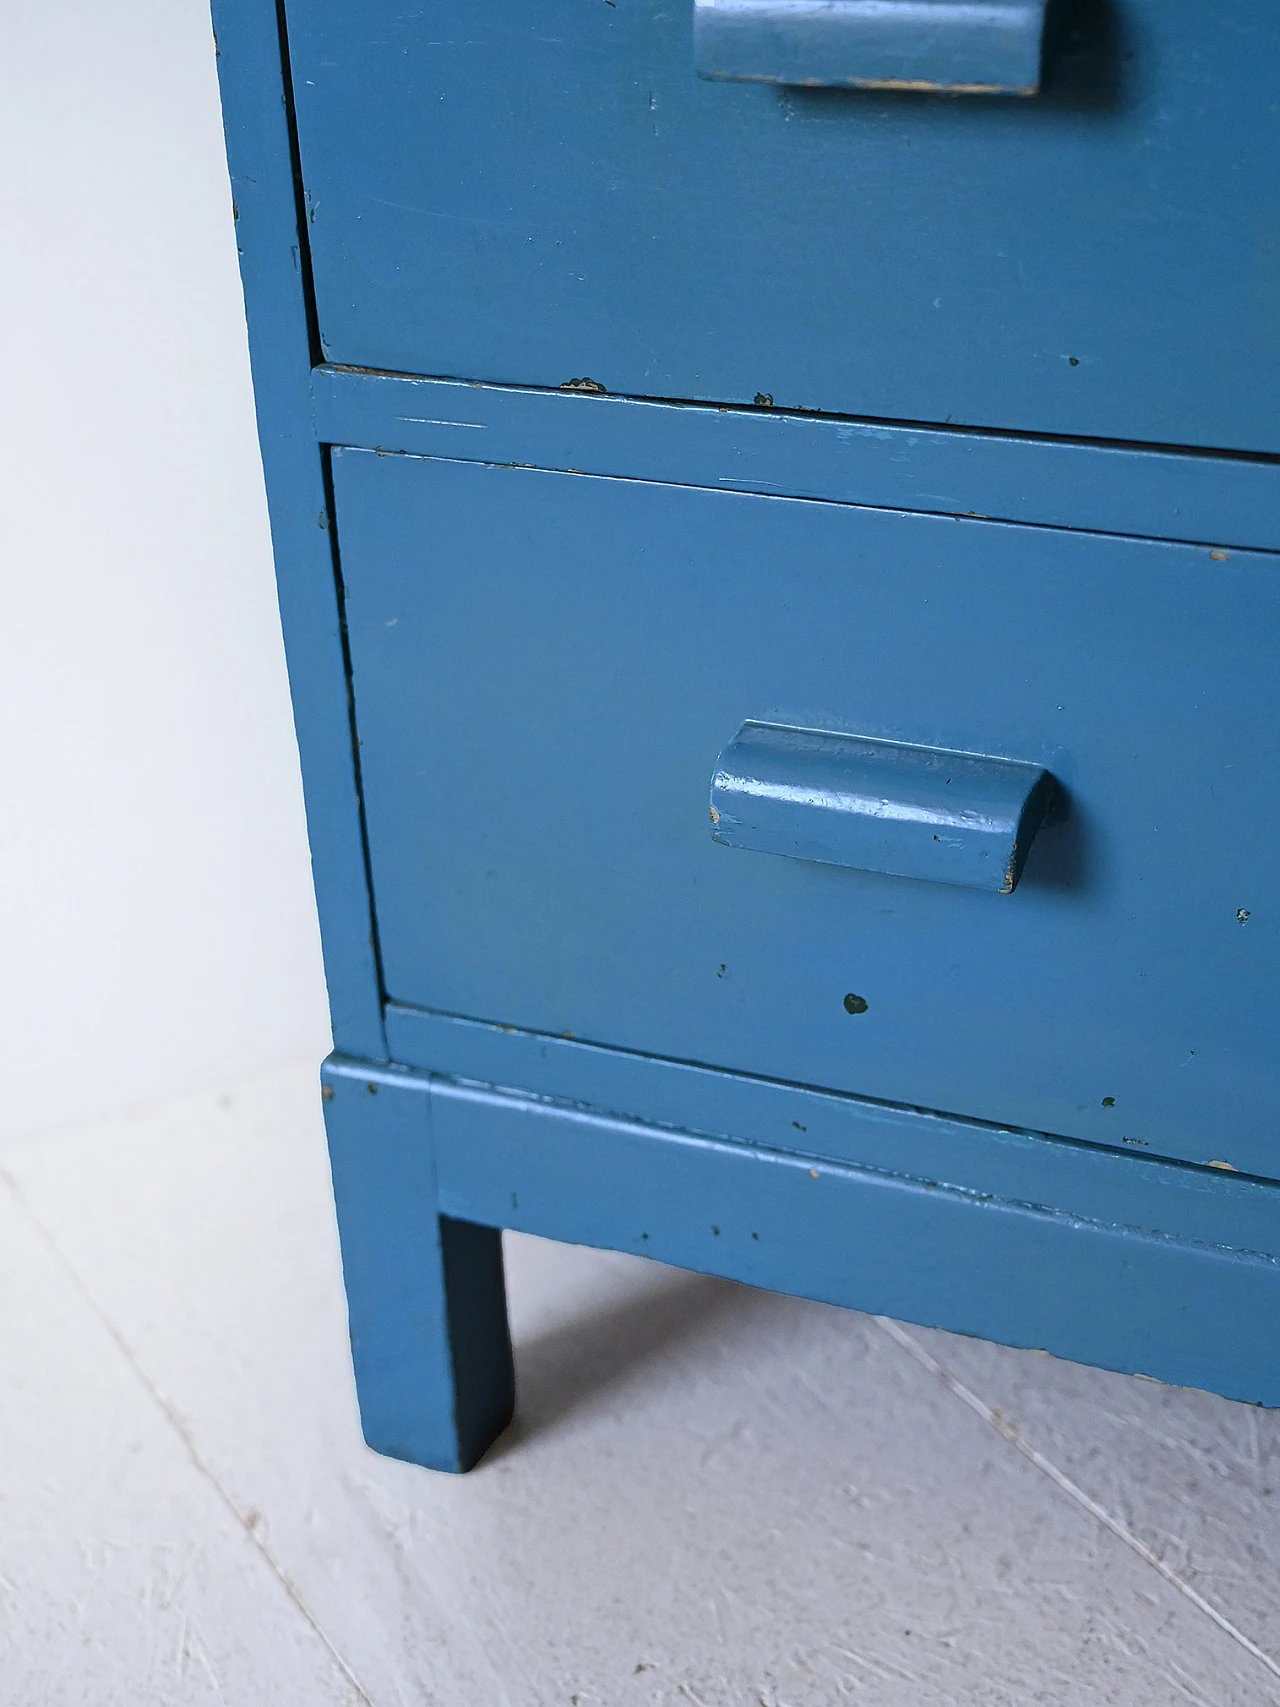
(425, 1294)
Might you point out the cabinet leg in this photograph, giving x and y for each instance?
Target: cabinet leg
(425, 1294)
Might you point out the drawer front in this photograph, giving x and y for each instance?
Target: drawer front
(546, 667)
(538, 193)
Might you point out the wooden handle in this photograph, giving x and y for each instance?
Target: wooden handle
(955, 47)
(878, 805)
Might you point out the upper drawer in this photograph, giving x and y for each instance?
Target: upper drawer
(536, 193)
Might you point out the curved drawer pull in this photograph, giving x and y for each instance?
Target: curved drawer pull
(956, 47)
(878, 805)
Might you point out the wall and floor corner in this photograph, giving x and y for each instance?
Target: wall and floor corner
(158, 924)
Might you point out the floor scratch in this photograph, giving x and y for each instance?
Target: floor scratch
(1014, 1436)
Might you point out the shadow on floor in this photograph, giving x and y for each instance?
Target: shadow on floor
(585, 1360)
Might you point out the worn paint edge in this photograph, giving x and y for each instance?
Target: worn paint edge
(889, 1244)
(1087, 1180)
(1220, 500)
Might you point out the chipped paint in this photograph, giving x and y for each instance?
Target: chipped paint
(897, 85)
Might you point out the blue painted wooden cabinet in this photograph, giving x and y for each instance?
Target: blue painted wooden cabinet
(777, 514)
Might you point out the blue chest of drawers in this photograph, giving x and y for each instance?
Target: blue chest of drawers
(777, 515)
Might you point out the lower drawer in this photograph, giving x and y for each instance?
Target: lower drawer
(547, 665)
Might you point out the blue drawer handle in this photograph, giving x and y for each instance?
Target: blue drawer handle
(878, 805)
(956, 47)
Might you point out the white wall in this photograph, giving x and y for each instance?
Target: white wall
(157, 930)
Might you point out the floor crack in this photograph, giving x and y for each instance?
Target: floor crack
(247, 1520)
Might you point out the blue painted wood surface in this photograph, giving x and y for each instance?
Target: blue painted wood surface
(1129, 1297)
(1198, 1205)
(1212, 500)
(272, 251)
(547, 665)
(887, 806)
(538, 193)
(951, 47)
(425, 1292)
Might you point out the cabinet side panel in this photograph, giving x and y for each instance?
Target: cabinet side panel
(273, 266)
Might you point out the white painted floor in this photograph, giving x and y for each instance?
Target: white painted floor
(712, 1496)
